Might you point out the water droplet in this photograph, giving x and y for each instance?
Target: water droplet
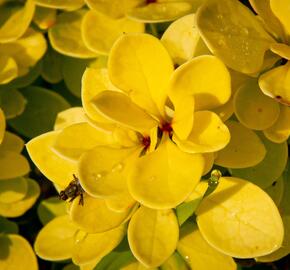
(245, 31)
(221, 42)
(118, 167)
(186, 258)
(152, 178)
(79, 236)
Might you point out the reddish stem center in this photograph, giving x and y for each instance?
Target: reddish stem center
(146, 142)
(150, 1)
(166, 127)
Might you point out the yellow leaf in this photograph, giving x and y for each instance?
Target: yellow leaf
(12, 190)
(11, 142)
(245, 149)
(44, 17)
(56, 239)
(61, 4)
(65, 35)
(2, 125)
(253, 109)
(95, 246)
(95, 217)
(280, 131)
(225, 111)
(103, 170)
(183, 41)
(17, 22)
(26, 51)
(113, 8)
(78, 138)
(12, 165)
(198, 253)
(18, 208)
(276, 83)
(70, 116)
(164, 178)
(206, 78)
(251, 223)
(282, 251)
(234, 34)
(281, 9)
(118, 108)
(57, 169)
(153, 235)
(270, 168)
(133, 69)
(16, 253)
(272, 23)
(182, 121)
(160, 11)
(281, 49)
(209, 134)
(120, 202)
(106, 30)
(8, 69)
(95, 81)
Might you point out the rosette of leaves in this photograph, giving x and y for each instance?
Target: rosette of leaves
(139, 146)
(253, 45)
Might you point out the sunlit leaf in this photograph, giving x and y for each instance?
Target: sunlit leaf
(209, 134)
(254, 109)
(95, 217)
(198, 253)
(164, 178)
(245, 148)
(12, 165)
(65, 35)
(55, 168)
(50, 208)
(18, 20)
(275, 83)
(95, 246)
(160, 11)
(153, 235)
(234, 34)
(68, 117)
(132, 68)
(183, 41)
(16, 253)
(251, 223)
(204, 77)
(107, 30)
(56, 239)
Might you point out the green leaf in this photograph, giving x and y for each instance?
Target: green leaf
(50, 208)
(7, 226)
(12, 102)
(40, 112)
(185, 210)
